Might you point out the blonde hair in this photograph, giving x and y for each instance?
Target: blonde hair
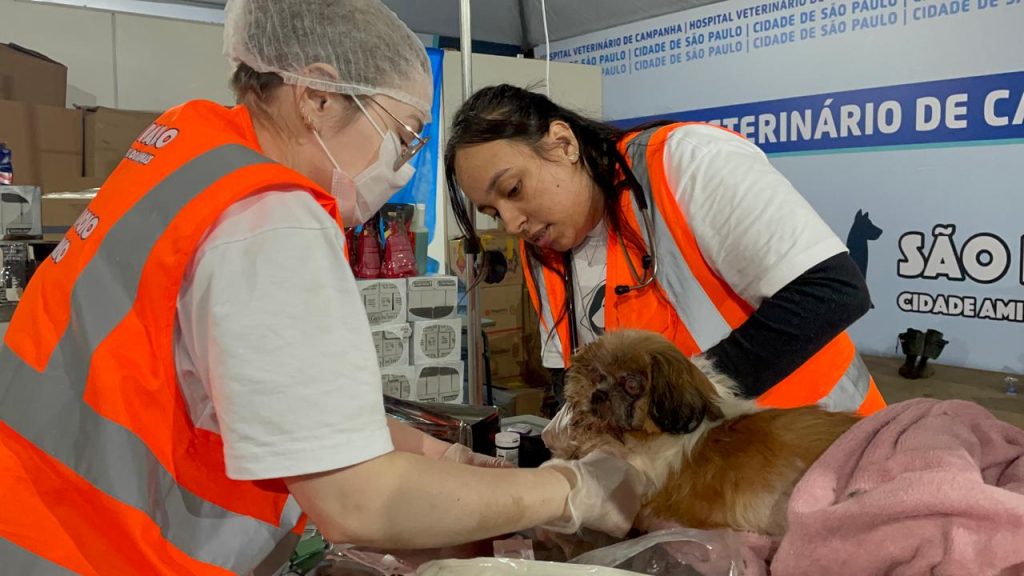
(255, 90)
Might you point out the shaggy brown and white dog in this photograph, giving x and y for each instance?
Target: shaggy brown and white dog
(714, 460)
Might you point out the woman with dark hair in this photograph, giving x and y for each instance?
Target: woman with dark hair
(695, 232)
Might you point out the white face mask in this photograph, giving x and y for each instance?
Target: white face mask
(360, 198)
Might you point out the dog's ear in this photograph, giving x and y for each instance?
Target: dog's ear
(681, 397)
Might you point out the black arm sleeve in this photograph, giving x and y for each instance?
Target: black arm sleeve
(793, 325)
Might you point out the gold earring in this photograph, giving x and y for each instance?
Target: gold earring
(573, 158)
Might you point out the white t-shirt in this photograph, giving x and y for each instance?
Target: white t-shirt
(753, 228)
(272, 345)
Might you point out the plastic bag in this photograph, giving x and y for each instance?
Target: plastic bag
(351, 241)
(367, 264)
(399, 257)
(514, 548)
(508, 566)
(346, 560)
(672, 552)
(350, 561)
(675, 552)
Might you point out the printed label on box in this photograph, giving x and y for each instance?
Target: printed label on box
(392, 345)
(439, 383)
(384, 301)
(432, 297)
(503, 305)
(437, 341)
(20, 213)
(399, 382)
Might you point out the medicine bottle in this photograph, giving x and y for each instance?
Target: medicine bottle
(507, 447)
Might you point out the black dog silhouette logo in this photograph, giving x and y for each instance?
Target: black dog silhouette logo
(862, 232)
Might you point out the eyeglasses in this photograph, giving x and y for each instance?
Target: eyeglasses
(416, 141)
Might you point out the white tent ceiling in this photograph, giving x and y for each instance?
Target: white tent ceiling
(519, 22)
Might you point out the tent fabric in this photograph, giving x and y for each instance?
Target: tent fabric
(519, 22)
(423, 187)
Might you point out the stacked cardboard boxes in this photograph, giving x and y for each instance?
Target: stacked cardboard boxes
(417, 335)
(107, 135)
(55, 148)
(46, 144)
(28, 76)
(500, 303)
(514, 327)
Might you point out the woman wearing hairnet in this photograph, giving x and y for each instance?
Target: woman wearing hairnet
(191, 374)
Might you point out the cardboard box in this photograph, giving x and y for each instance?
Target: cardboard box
(437, 341)
(72, 184)
(507, 244)
(61, 210)
(398, 381)
(28, 76)
(506, 353)
(45, 143)
(20, 212)
(108, 133)
(384, 300)
(504, 305)
(392, 345)
(439, 382)
(432, 297)
(519, 401)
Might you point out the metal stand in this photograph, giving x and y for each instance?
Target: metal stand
(473, 330)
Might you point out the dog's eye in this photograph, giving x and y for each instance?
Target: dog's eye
(632, 384)
(598, 397)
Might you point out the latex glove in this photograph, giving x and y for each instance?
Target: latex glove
(463, 455)
(605, 494)
(556, 434)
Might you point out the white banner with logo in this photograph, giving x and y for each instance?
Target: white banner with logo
(901, 121)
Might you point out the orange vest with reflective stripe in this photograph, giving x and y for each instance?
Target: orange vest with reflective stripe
(102, 470)
(689, 303)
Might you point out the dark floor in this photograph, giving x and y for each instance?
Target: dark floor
(949, 382)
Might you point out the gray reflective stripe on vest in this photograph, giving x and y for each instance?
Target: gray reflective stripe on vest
(48, 410)
(537, 271)
(16, 560)
(698, 313)
(851, 390)
(550, 336)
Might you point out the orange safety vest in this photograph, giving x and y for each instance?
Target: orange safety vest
(690, 304)
(102, 469)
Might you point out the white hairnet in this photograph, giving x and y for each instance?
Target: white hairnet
(365, 47)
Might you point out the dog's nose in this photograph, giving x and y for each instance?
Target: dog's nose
(598, 397)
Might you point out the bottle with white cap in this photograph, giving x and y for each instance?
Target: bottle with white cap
(421, 237)
(507, 447)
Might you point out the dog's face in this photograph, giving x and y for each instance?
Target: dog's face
(634, 381)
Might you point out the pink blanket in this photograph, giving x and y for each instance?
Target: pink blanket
(923, 487)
